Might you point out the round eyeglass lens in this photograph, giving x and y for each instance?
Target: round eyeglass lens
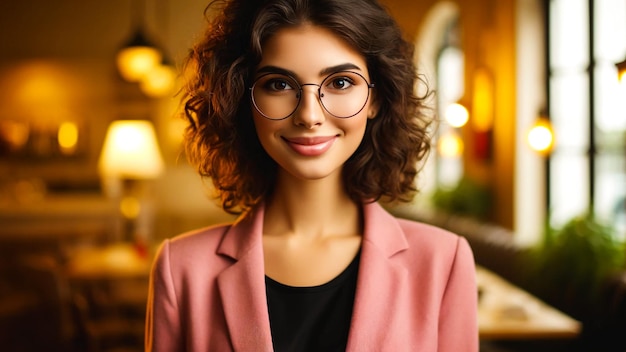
(342, 94)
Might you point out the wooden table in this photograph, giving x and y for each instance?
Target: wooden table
(114, 261)
(110, 290)
(121, 270)
(505, 311)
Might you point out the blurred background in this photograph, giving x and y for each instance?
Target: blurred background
(529, 163)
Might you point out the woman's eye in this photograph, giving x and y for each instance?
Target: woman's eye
(277, 85)
(340, 83)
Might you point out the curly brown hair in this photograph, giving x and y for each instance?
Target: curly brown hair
(220, 140)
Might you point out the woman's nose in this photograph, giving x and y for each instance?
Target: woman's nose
(310, 112)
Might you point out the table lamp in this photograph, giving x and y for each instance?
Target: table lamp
(131, 155)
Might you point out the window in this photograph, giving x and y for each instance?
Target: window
(587, 169)
(450, 85)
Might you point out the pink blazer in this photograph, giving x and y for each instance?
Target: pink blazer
(416, 290)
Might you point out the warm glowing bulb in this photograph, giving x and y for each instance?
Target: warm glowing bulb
(130, 207)
(68, 137)
(135, 62)
(159, 81)
(450, 145)
(541, 137)
(456, 115)
(14, 133)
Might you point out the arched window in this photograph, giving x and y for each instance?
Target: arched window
(450, 89)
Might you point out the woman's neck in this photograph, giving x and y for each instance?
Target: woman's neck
(312, 208)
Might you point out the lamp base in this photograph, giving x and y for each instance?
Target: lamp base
(134, 210)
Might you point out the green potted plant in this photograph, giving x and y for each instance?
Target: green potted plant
(572, 263)
(466, 198)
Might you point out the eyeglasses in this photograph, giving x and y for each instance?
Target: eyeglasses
(342, 94)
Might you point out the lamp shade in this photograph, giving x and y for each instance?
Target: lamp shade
(159, 81)
(131, 151)
(137, 58)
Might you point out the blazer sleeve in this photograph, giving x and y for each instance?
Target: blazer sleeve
(458, 323)
(163, 325)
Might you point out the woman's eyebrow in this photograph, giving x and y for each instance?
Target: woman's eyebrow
(275, 69)
(343, 67)
(323, 72)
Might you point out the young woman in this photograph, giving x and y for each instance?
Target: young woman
(303, 115)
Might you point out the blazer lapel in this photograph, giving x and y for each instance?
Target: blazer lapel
(381, 292)
(380, 295)
(242, 285)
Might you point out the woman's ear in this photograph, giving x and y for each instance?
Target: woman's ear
(372, 110)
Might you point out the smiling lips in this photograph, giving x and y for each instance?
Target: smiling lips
(312, 146)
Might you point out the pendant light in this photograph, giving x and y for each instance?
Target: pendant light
(621, 71)
(138, 56)
(160, 80)
(540, 137)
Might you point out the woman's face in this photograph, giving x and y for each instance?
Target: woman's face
(311, 143)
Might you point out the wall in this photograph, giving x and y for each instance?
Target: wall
(530, 167)
(79, 40)
(57, 63)
(488, 38)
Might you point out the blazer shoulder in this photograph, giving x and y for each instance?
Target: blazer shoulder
(202, 240)
(422, 231)
(432, 239)
(435, 252)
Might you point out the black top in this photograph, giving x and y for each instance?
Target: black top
(313, 318)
